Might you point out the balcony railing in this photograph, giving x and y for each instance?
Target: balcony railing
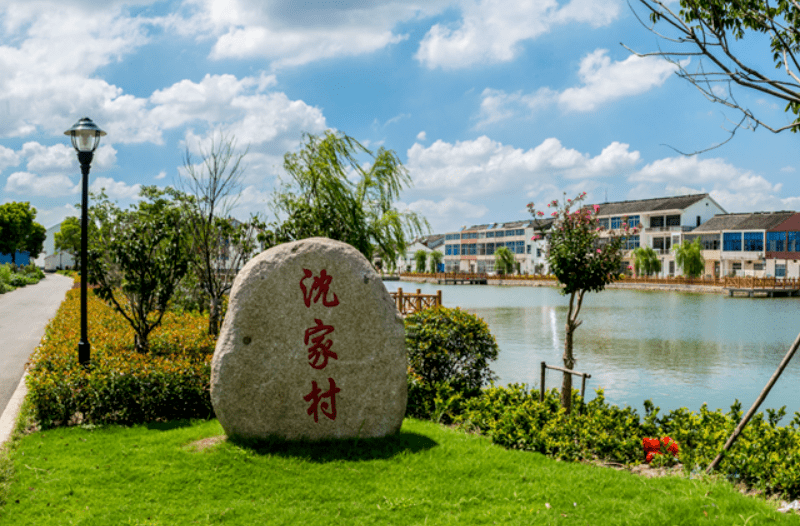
(671, 228)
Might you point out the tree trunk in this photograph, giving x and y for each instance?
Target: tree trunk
(569, 363)
(141, 344)
(213, 317)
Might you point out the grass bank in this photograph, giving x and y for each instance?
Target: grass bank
(185, 473)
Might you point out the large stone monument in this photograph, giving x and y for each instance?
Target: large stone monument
(312, 347)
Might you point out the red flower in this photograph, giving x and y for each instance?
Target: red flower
(649, 458)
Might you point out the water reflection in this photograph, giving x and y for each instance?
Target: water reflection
(677, 349)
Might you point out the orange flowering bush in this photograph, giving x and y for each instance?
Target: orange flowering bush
(121, 386)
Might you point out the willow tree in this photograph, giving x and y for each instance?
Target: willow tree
(320, 199)
(688, 257)
(581, 261)
(646, 261)
(436, 260)
(419, 258)
(503, 260)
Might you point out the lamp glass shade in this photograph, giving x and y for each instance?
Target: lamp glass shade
(84, 140)
(85, 135)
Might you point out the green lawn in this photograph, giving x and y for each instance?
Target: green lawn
(428, 474)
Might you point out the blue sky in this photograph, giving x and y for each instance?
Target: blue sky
(490, 104)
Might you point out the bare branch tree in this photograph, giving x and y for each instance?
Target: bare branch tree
(714, 21)
(215, 240)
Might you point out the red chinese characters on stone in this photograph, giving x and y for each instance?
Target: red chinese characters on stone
(319, 353)
(320, 285)
(316, 395)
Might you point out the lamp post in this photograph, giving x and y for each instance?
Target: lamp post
(85, 137)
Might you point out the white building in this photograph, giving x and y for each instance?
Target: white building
(428, 244)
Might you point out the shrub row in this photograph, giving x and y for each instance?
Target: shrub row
(27, 275)
(122, 386)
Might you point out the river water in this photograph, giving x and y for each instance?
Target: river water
(677, 349)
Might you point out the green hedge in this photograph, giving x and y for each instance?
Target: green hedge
(764, 456)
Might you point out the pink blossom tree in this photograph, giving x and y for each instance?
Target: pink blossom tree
(582, 260)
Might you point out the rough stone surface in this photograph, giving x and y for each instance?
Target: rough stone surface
(272, 351)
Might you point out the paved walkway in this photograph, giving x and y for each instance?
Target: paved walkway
(24, 314)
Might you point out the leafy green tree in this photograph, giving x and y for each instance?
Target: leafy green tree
(420, 256)
(69, 238)
(19, 231)
(503, 260)
(688, 257)
(143, 252)
(321, 200)
(708, 28)
(436, 259)
(582, 261)
(646, 261)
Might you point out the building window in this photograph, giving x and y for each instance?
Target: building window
(780, 270)
(529, 249)
(481, 249)
(499, 233)
(489, 249)
(754, 241)
(698, 221)
(481, 235)
(520, 247)
(737, 265)
(489, 234)
(793, 241)
(633, 221)
(673, 220)
(520, 231)
(538, 252)
(603, 223)
(656, 222)
(455, 250)
(616, 222)
(758, 266)
(731, 241)
(776, 241)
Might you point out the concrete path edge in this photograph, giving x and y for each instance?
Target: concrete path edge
(9, 418)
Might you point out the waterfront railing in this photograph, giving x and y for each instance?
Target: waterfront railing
(411, 303)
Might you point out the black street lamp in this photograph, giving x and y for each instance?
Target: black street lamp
(85, 138)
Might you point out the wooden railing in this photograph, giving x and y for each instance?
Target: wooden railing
(411, 303)
(749, 282)
(677, 280)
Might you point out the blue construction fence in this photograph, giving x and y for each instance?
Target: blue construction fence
(23, 258)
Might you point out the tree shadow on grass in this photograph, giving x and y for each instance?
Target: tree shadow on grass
(352, 449)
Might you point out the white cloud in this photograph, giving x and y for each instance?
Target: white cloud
(50, 51)
(787, 169)
(162, 174)
(37, 185)
(291, 33)
(421, 136)
(447, 214)
(733, 188)
(115, 189)
(602, 82)
(8, 157)
(484, 167)
(491, 31)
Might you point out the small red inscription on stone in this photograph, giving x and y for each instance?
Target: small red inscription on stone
(320, 284)
(321, 350)
(316, 395)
